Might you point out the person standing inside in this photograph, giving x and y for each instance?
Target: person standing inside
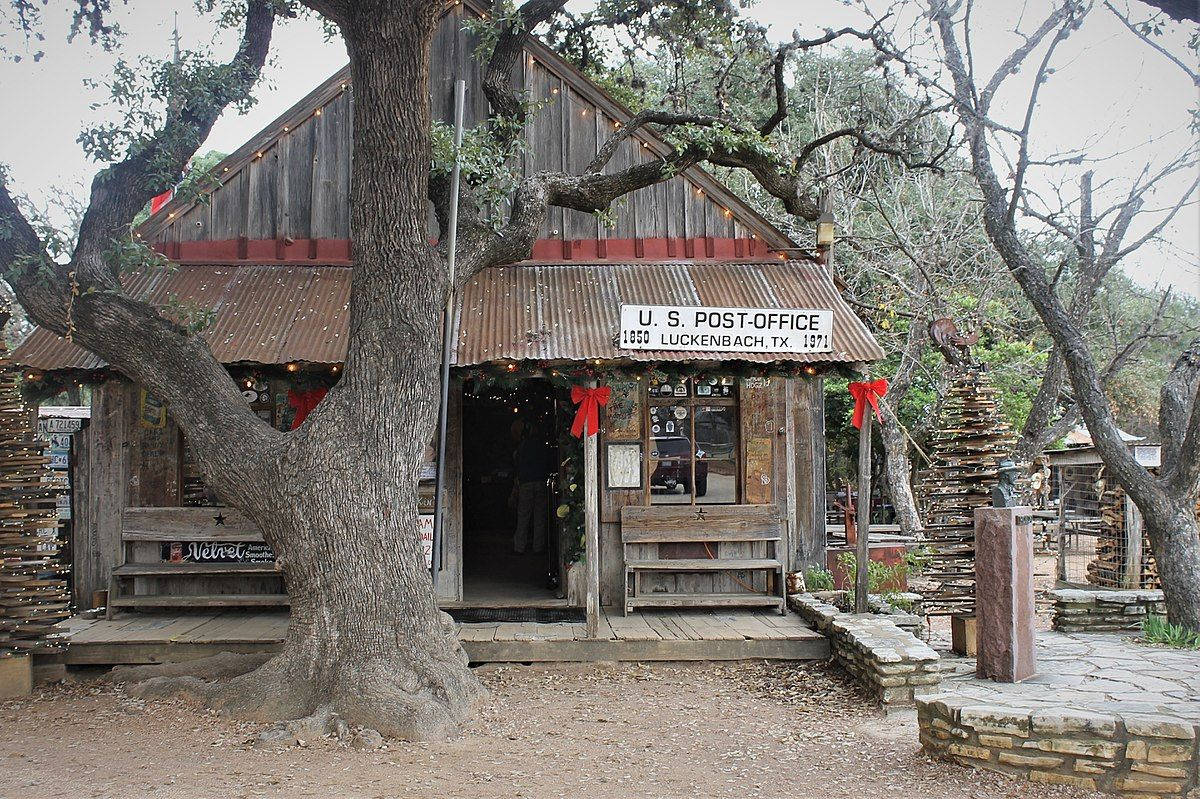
(531, 461)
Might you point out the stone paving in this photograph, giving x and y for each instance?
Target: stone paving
(1103, 713)
(1107, 673)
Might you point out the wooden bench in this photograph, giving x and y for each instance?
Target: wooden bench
(147, 578)
(732, 539)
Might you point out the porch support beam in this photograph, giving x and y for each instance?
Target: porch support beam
(591, 524)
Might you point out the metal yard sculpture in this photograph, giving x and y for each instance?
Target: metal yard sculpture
(970, 441)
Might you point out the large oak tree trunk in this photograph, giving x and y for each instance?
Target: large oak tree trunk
(366, 639)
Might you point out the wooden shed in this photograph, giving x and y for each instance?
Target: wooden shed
(706, 482)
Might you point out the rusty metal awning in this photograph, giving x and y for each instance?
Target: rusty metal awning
(571, 311)
(262, 313)
(275, 313)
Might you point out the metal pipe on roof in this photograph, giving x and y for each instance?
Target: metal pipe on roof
(460, 92)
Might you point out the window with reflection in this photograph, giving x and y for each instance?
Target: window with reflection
(692, 456)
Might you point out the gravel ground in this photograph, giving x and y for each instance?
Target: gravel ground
(599, 731)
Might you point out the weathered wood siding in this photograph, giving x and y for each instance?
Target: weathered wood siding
(808, 540)
(102, 472)
(293, 181)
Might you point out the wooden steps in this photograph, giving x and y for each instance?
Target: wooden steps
(202, 601)
(704, 564)
(179, 569)
(729, 635)
(665, 600)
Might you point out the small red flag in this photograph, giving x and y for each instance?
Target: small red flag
(158, 202)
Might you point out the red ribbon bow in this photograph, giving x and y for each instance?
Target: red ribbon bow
(864, 393)
(589, 400)
(304, 402)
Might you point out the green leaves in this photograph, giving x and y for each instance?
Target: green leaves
(490, 169)
(716, 138)
(1157, 630)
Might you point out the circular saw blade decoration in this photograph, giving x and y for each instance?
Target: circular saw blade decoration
(34, 599)
(971, 439)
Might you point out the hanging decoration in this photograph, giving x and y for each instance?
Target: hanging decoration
(863, 393)
(34, 597)
(590, 401)
(304, 402)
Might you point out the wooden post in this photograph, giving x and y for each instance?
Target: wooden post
(793, 534)
(863, 555)
(591, 525)
(1063, 490)
(1131, 576)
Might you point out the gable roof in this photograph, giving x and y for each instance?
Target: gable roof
(270, 136)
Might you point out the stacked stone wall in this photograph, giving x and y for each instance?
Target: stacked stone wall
(1134, 756)
(1082, 610)
(893, 665)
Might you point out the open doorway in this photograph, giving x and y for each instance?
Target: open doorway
(510, 552)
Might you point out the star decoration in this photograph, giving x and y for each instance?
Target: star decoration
(219, 520)
(700, 514)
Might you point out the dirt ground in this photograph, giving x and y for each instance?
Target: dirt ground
(598, 731)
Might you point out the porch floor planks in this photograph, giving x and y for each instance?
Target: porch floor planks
(659, 624)
(163, 629)
(632, 628)
(644, 636)
(711, 628)
(478, 632)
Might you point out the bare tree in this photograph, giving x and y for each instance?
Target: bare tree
(1099, 239)
(1166, 499)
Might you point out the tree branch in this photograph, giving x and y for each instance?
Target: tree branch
(1179, 410)
(507, 106)
(84, 299)
(1192, 74)
(123, 189)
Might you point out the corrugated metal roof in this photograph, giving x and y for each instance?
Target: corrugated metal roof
(273, 313)
(571, 311)
(263, 313)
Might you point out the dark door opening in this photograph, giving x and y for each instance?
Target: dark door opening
(510, 552)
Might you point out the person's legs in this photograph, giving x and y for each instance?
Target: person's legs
(525, 516)
(541, 496)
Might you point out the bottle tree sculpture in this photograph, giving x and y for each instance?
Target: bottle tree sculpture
(34, 599)
(970, 441)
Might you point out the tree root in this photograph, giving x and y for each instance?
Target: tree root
(218, 667)
(411, 695)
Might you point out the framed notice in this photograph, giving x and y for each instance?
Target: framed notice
(152, 411)
(624, 461)
(426, 527)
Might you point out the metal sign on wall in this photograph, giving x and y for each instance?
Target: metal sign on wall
(691, 329)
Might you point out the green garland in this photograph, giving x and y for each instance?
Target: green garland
(37, 386)
(507, 375)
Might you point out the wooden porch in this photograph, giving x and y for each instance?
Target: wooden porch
(731, 635)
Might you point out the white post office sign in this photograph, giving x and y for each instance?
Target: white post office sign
(691, 329)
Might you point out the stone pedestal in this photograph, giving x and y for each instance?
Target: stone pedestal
(1004, 593)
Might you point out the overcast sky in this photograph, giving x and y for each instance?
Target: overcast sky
(1111, 93)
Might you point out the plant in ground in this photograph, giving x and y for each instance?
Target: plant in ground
(816, 579)
(882, 578)
(1157, 630)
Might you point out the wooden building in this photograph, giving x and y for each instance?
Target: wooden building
(705, 484)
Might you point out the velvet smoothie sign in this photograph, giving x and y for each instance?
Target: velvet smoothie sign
(691, 329)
